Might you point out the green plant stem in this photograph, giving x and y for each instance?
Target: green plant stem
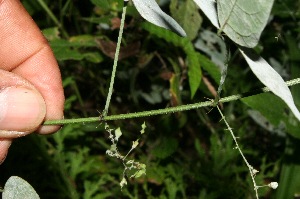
(53, 17)
(166, 110)
(112, 80)
(242, 154)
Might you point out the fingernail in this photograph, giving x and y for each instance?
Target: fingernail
(21, 110)
(13, 134)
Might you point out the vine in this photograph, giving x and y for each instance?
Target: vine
(141, 168)
(136, 168)
(252, 171)
(112, 80)
(165, 110)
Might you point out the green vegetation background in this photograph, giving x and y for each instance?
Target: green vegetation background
(188, 154)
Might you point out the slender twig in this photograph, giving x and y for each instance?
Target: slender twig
(166, 110)
(251, 170)
(111, 85)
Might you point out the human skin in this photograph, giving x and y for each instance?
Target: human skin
(30, 81)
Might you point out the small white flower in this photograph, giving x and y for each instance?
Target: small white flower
(254, 171)
(273, 185)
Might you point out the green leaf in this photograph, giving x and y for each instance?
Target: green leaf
(194, 72)
(187, 16)
(194, 69)
(208, 7)
(171, 187)
(174, 80)
(143, 128)
(69, 49)
(289, 184)
(17, 188)
(108, 4)
(139, 173)
(150, 11)
(91, 188)
(118, 133)
(77, 162)
(97, 20)
(294, 50)
(62, 54)
(101, 3)
(244, 20)
(83, 41)
(165, 148)
(93, 57)
(123, 182)
(262, 103)
(276, 114)
(31, 6)
(134, 144)
(270, 78)
(51, 33)
(210, 67)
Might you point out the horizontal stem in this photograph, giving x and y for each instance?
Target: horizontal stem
(165, 110)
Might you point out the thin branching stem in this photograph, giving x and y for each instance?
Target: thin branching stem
(166, 110)
(111, 85)
(238, 147)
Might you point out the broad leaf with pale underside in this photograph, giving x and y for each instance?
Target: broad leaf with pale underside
(243, 21)
(150, 11)
(17, 188)
(269, 77)
(209, 9)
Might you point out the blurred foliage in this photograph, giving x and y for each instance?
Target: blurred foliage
(188, 154)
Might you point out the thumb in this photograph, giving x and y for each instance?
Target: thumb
(4, 145)
(22, 108)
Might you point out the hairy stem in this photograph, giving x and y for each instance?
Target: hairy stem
(166, 110)
(111, 86)
(238, 147)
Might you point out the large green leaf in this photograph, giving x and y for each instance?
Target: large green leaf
(244, 20)
(277, 114)
(187, 16)
(194, 69)
(73, 48)
(211, 68)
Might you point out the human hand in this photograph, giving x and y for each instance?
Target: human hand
(30, 82)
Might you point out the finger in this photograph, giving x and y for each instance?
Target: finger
(4, 145)
(22, 107)
(25, 52)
